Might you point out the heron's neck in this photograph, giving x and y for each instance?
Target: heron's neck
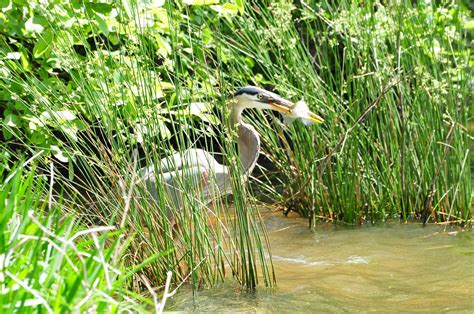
(236, 114)
(248, 141)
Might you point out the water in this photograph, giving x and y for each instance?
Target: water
(386, 268)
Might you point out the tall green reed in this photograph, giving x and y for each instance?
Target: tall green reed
(391, 82)
(133, 106)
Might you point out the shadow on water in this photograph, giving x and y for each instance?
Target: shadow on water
(391, 267)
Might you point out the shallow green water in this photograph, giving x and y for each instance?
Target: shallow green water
(386, 268)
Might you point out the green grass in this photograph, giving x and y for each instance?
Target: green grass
(50, 261)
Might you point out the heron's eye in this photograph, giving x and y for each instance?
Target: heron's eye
(259, 96)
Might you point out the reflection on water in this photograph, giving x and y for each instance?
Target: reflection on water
(334, 268)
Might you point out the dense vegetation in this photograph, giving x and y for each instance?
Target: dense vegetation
(93, 91)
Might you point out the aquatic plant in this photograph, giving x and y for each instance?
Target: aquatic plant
(392, 82)
(116, 92)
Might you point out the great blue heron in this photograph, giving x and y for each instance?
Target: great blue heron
(196, 170)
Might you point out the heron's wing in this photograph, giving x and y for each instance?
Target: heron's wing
(193, 173)
(178, 161)
(188, 158)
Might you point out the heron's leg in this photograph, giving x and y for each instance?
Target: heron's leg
(205, 176)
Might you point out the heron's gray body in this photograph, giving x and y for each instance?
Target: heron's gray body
(187, 172)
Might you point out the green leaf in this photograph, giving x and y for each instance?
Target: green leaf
(71, 131)
(6, 134)
(241, 5)
(24, 59)
(228, 9)
(164, 47)
(11, 120)
(163, 130)
(32, 27)
(20, 106)
(103, 8)
(249, 62)
(34, 122)
(43, 44)
(197, 108)
(469, 24)
(4, 3)
(114, 38)
(104, 28)
(59, 154)
(80, 125)
(61, 115)
(14, 55)
(127, 7)
(38, 138)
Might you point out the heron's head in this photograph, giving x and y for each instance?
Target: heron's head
(254, 97)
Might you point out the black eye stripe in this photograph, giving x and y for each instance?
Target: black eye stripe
(256, 91)
(249, 90)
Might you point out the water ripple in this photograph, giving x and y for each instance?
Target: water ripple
(300, 260)
(354, 260)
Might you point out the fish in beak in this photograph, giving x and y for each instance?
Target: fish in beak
(292, 111)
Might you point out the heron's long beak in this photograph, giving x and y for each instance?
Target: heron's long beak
(315, 118)
(286, 107)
